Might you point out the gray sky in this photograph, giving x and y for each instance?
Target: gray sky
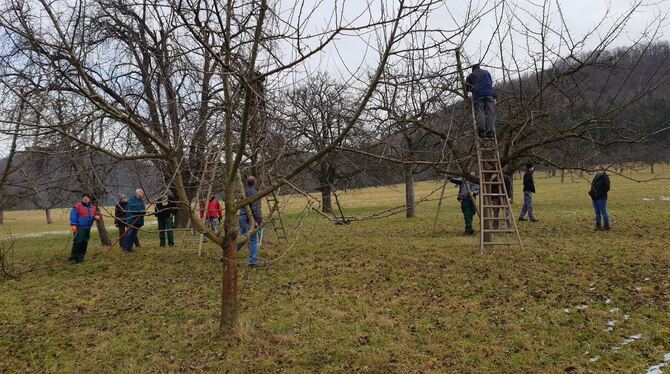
(581, 17)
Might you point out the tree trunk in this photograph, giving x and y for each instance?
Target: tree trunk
(326, 203)
(47, 213)
(562, 175)
(181, 217)
(2, 216)
(409, 192)
(229, 274)
(652, 167)
(102, 232)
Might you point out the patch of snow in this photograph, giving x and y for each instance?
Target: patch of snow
(567, 310)
(626, 317)
(594, 359)
(614, 310)
(665, 198)
(608, 301)
(656, 369)
(647, 199)
(666, 357)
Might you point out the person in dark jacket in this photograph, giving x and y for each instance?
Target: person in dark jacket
(479, 82)
(120, 217)
(165, 210)
(82, 217)
(135, 213)
(600, 186)
(528, 191)
(245, 222)
(469, 189)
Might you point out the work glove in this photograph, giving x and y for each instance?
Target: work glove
(97, 218)
(73, 228)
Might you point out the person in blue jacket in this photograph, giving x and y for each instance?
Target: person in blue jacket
(479, 82)
(135, 213)
(244, 221)
(82, 217)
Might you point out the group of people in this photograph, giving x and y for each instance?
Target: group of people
(469, 190)
(129, 216)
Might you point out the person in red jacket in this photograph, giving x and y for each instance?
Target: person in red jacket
(212, 216)
(82, 217)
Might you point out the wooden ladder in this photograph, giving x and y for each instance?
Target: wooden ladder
(275, 216)
(497, 223)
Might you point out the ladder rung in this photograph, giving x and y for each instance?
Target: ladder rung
(494, 206)
(509, 231)
(495, 218)
(493, 194)
(490, 243)
(491, 172)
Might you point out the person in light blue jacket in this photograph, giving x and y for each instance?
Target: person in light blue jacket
(135, 213)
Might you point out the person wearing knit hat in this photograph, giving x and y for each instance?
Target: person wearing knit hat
(82, 217)
(120, 217)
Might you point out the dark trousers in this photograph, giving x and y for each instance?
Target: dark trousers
(485, 108)
(165, 228)
(469, 210)
(80, 244)
(122, 229)
(129, 239)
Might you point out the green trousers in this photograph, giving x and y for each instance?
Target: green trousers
(165, 226)
(79, 244)
(469, 210)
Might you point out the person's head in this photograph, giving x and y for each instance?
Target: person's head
(251, 181)
(85, 198)
(472, 173)
(212, 198)
(600, 169)
(475, 66)
(164, 198)
(123, 198)
(139, 193)
(530, 166)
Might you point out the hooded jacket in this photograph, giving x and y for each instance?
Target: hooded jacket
(600, 186)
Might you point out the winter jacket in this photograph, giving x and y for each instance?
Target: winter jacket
(165, 210)
(83, 215)
(600, 186)
(135, 212)
(255, 207)
(480, 83)
(528, 182)
(120, 214)
(213, 209)
(470, 186)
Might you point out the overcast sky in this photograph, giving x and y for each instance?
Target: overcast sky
(581, 17)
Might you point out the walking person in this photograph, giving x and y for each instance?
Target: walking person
(479, 82)
(528, 191)
(212, 216)
(165, 210)
(82, 217)
(244, 221)
(135, 213)
(467, 192)
(600, 186)
(120, 217)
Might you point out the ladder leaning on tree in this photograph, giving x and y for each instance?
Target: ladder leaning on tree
(497, 224)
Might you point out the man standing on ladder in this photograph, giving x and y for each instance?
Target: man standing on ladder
(479, 82)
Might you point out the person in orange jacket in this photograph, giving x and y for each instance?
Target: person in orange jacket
(82, 217)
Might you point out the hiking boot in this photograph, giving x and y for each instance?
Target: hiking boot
(522, 219)
(533, 220)
(607, 228)
(72, 261)
(598, 228)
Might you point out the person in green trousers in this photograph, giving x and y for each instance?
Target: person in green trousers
(165, 210)
(469, 189)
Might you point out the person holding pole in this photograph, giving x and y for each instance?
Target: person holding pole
(469, 189)
(244, 221)
(134, 219)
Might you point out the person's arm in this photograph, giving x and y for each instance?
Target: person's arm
(468, 83)
(73, 216)
(455, 180)
(256, 211)
(607, 183)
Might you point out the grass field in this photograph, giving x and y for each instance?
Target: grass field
(383, 295)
